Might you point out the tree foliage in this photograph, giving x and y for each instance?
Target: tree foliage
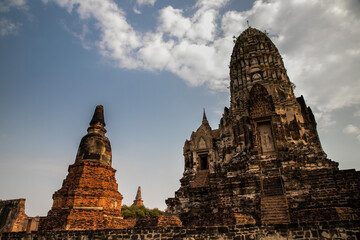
(139, 211)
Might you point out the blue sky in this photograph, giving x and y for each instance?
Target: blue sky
(154, 65)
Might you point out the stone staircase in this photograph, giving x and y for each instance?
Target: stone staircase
(201, 179)
(272, 186)
(274, 210)
(274, 205)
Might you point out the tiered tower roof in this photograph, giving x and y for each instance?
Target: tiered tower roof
(255, 59)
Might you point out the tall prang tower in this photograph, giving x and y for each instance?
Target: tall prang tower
(89, 197)
(266, 116)
(264, 164)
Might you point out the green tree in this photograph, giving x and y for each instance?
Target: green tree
(139, 211)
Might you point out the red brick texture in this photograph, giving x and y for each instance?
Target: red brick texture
(88, 199)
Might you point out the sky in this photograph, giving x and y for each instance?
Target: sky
(154, 65)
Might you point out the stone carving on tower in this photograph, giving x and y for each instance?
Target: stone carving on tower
(264, 164)
(89, 197)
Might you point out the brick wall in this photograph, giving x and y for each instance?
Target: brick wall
(339, 230)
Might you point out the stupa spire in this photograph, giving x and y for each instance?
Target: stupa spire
(89, 198)
(138, 194)
(97, 123)
(95, 146)
(98, 116)
(204, 120)
(138, 201)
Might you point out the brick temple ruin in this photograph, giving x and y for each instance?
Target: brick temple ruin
(138, 200)
(264, 164)
(89, 197)
(261, 175)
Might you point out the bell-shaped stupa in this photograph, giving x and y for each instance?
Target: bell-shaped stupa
(89, 197)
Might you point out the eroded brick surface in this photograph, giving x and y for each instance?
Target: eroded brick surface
(158, 221)
(12, 215)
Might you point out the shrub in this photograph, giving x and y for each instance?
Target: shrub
(139, 211)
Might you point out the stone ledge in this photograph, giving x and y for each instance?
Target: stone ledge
(89, 208)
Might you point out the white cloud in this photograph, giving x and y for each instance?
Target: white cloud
(210, 4)
(354, 130)
(357, 113)
(318, 40)
(173, 22)
(7, 5)
(137, 11)
(326, 120)
(232, 23)
(118, 39)
(145, 2)
(203, 27)
(186, 46)
(199, 29)
(351, 129)
(81, 35)
(8, 27)
(155, 52)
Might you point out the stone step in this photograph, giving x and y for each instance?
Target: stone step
(272, 186)
(275, 220)
(270, 208)
(273, 199)
(273, 204)
(280, 221)
(201, 179)
(274, 210)
(272, 193)
(274, 216)
(269, 188)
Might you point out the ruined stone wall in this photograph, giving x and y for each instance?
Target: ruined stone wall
(12, 215)
(286, 188)
(158, 221)
(340, 230)
(323, 195)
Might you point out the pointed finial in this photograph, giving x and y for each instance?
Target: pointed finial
(138, 194)
(247, 21)
(98, 116)
(204, 121)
